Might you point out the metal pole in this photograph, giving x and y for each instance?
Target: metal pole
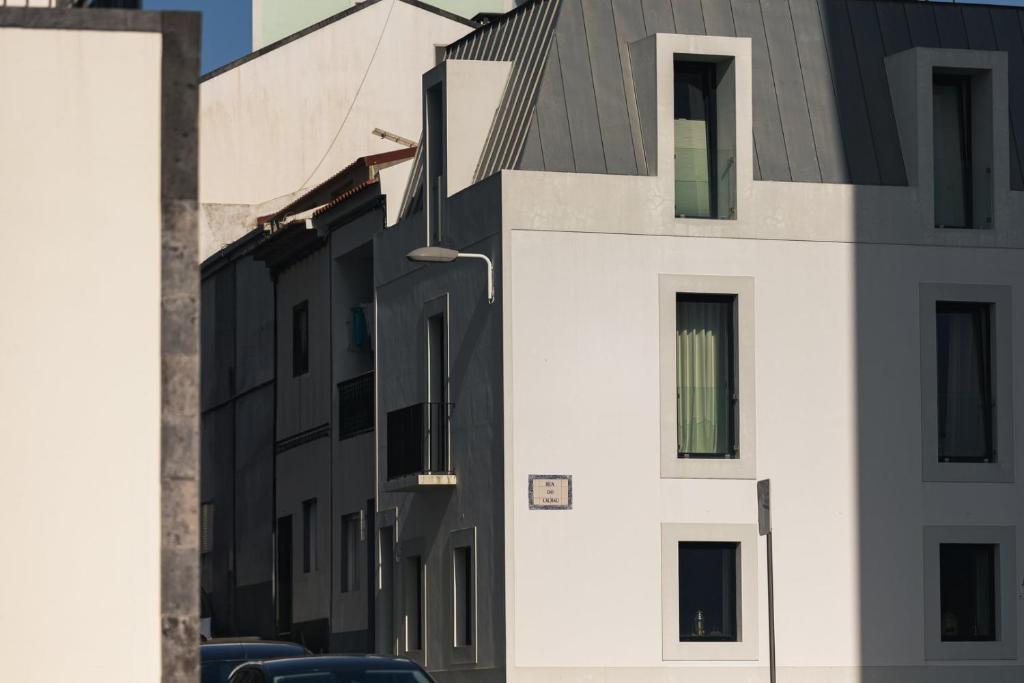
(771, 612)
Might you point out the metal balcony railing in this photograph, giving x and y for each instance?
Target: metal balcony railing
(418, 440)
(355, 406)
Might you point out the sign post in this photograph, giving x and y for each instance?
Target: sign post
(764, 528)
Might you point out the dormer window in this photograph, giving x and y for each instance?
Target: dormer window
(703, 145)
(954, 163)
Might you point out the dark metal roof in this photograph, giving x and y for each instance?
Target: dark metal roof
(822, 110)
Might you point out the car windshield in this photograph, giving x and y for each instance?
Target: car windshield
(217, 671)
(365, 676)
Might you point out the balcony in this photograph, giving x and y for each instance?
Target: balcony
(355, 406)
(418, 454)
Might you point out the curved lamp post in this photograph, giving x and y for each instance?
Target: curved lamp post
(442, 255)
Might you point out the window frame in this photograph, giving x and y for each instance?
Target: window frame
(743, 465)
(709, 77)
(406, 550)
(352, 585)
(465, 538)
(1005, 645)
(999, 298)
(745, 647)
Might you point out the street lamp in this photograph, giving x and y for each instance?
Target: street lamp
(442, 255)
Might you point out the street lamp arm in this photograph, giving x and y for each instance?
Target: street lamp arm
(490, 273)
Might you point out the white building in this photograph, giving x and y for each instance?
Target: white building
(99, 365)
(732, 241)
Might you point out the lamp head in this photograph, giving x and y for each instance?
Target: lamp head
(432, 255)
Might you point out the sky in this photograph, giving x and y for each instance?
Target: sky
(227, 27)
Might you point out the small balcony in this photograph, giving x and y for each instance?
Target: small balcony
(417, 451)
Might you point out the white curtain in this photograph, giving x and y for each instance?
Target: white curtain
(964, 384)
(702, 377)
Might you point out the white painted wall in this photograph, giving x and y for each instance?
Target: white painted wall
(80, 360)
(838, 423)
(286, 120)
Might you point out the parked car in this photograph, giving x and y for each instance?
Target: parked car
(219, 657)
(332, 669)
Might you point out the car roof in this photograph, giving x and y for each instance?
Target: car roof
(313, 663)
(248, 650)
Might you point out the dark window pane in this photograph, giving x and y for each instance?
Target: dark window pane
(967, 577)
(462, 561)
(964, 382)
(951, 125)
(300, 339)
(350, 552)
(695, 139)
(707, 591)
(705, 376)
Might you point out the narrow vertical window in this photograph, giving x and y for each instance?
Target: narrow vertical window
(695, 139)
(413, 599)
(708, 591)
(463, 594)
(206, 528)
(350, 553)
(965, 395)
(967, 587)
(300, 339)
(951, 129)
(309, 535)
(437, 388)
(435, 159)
(705, 376)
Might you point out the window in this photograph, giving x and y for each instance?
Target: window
(695, 135)
(412, 590)
(964, 381)
(435, 138)
(206, 528)
(951, 129)
(706, 385)
(705, 376)
(463, 595)
(967, 580)
(707, 591)
(350, 525)
(309, 535)
(300, 339)
(970, 610)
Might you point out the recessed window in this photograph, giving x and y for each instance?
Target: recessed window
(706, 399)
(206, 528)
(704, 167)
(300, 339)
(355, 406)
(309, 535)
(350, 552)
(708, 592)
(968, 593)
(435, 139)
(966, 406)
(412, 591)
(954, 168)
(463, 595)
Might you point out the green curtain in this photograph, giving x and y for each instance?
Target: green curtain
(702, 377)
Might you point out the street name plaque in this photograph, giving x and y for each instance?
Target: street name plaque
(550, 492)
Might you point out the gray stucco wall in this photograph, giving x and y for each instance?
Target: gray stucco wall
(475, 367)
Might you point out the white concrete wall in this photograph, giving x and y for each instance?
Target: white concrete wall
(80, 360)
(286, 120)
(838, 424)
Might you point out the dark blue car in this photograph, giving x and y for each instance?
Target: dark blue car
(332, 669)
(217, 659)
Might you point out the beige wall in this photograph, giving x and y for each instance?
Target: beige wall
(296, 115)
(80, 363)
